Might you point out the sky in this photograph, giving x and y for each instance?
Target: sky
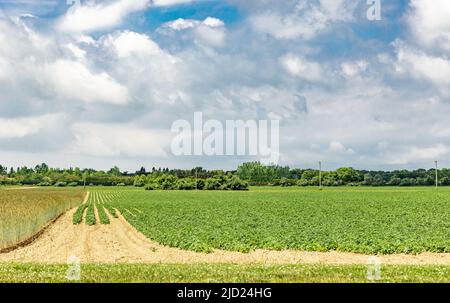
(100, 83)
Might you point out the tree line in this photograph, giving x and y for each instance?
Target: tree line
(251, 173)
(257, 174)
(157, 178)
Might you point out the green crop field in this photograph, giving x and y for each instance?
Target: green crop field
(23, 212)
(362, 220)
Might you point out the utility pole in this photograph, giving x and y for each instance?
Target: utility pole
(320, 174)
(196, 179)
(437, 177)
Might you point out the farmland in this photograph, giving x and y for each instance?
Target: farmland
(24, 212)
(364, 220)
(267, 234)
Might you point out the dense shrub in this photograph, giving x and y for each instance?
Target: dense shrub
(150, 186)
(186, 184)
(168, 182)
(235, 183)
(7, 181)
(43, 184)
(200, 184)
(139, 181)
(285, 182)
(302, 182)
(212, 184)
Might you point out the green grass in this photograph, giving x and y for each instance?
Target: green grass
(37, 273)
(362, 220)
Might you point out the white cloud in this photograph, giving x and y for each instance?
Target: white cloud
(338, 147)
(157, 76)
(210, 31)
(181, 24)
(93, 16)
(74, 81)
(5, 69)
(96, 15)
(337, 10)
(430, 22)
(213, 36)
(128, 43)
(112, 140)
(423, 66)
(22, 127)
(420, 154)
(300, 67)
(77, 52)
(305, 20)
(354, 69)
(213, 22)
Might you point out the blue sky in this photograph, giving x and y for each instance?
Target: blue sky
(100, 83)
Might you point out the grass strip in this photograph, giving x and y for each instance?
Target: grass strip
(254, 273)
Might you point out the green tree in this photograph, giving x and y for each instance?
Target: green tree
(115, 171)
(348, 175)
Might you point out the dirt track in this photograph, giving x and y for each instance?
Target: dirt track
(119, 242)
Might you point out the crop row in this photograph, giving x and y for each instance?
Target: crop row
(366, 221)
(99, 201)
(90, 214)
(78, 215)
(104, 219)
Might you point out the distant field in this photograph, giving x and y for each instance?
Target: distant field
(175, 273)
(24, 211)
(362, 220)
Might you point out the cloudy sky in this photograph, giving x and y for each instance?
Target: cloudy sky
(99, 83)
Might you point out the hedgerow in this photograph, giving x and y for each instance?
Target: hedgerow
(169, 182)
